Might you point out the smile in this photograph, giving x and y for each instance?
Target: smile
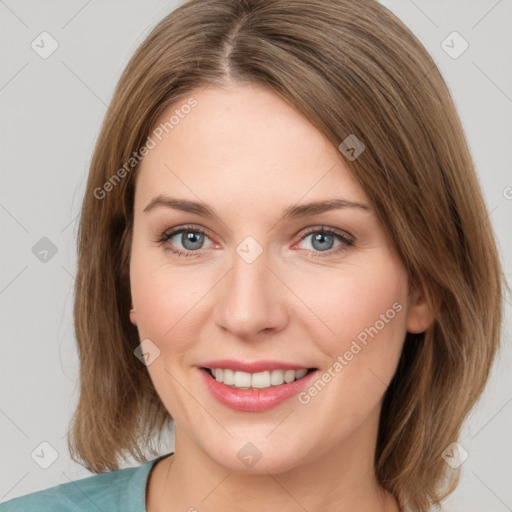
(254, 387)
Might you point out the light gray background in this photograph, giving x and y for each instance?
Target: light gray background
(52, 110)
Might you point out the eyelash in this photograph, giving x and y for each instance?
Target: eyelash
(345, 240)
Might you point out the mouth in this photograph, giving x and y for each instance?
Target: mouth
(258, 380)
(256, 391)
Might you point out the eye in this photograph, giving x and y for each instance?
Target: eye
(323, 240)
(189, 241)
(184, 241)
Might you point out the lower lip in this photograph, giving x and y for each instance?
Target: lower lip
(254, 400)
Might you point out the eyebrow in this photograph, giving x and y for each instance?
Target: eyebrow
(295, 211)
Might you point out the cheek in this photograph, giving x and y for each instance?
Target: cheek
(362, 310)
(369, 306)
(165, 297)
(167, 302)
(366, 308)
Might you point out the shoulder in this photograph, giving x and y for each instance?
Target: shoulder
(122, 490)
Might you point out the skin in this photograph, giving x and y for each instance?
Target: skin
(248, 154)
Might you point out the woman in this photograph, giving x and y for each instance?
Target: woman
(244, 136)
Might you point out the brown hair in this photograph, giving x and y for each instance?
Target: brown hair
(343, 65)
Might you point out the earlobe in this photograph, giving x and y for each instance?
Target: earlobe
(420, 315)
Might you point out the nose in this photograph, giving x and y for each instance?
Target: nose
(251, 299)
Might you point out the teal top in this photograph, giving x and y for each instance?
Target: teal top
(123, 490)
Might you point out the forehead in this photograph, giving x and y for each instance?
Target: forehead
(245, 143)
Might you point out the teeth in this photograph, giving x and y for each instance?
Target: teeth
(261, 380)
(228, 377)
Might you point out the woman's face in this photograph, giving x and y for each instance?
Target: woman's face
(258, 281)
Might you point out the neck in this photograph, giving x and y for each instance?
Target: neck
(340, 480)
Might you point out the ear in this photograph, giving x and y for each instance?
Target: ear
(133, 319)
(420, 314)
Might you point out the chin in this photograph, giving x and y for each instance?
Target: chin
(257, 457)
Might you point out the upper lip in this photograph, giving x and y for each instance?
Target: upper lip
(252, 366)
